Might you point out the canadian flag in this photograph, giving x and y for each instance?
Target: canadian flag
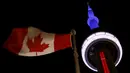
(34, 42)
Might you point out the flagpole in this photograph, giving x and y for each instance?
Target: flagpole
(77, 67)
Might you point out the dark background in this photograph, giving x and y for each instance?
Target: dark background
(60, 17)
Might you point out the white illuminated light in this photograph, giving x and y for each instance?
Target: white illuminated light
(96, 36)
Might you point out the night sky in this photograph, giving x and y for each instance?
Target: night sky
(60, 17)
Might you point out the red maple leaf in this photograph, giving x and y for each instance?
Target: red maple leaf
(36, 46)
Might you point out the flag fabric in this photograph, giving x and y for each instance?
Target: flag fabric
(34, 42)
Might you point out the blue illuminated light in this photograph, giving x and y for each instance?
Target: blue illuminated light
(92, 21)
